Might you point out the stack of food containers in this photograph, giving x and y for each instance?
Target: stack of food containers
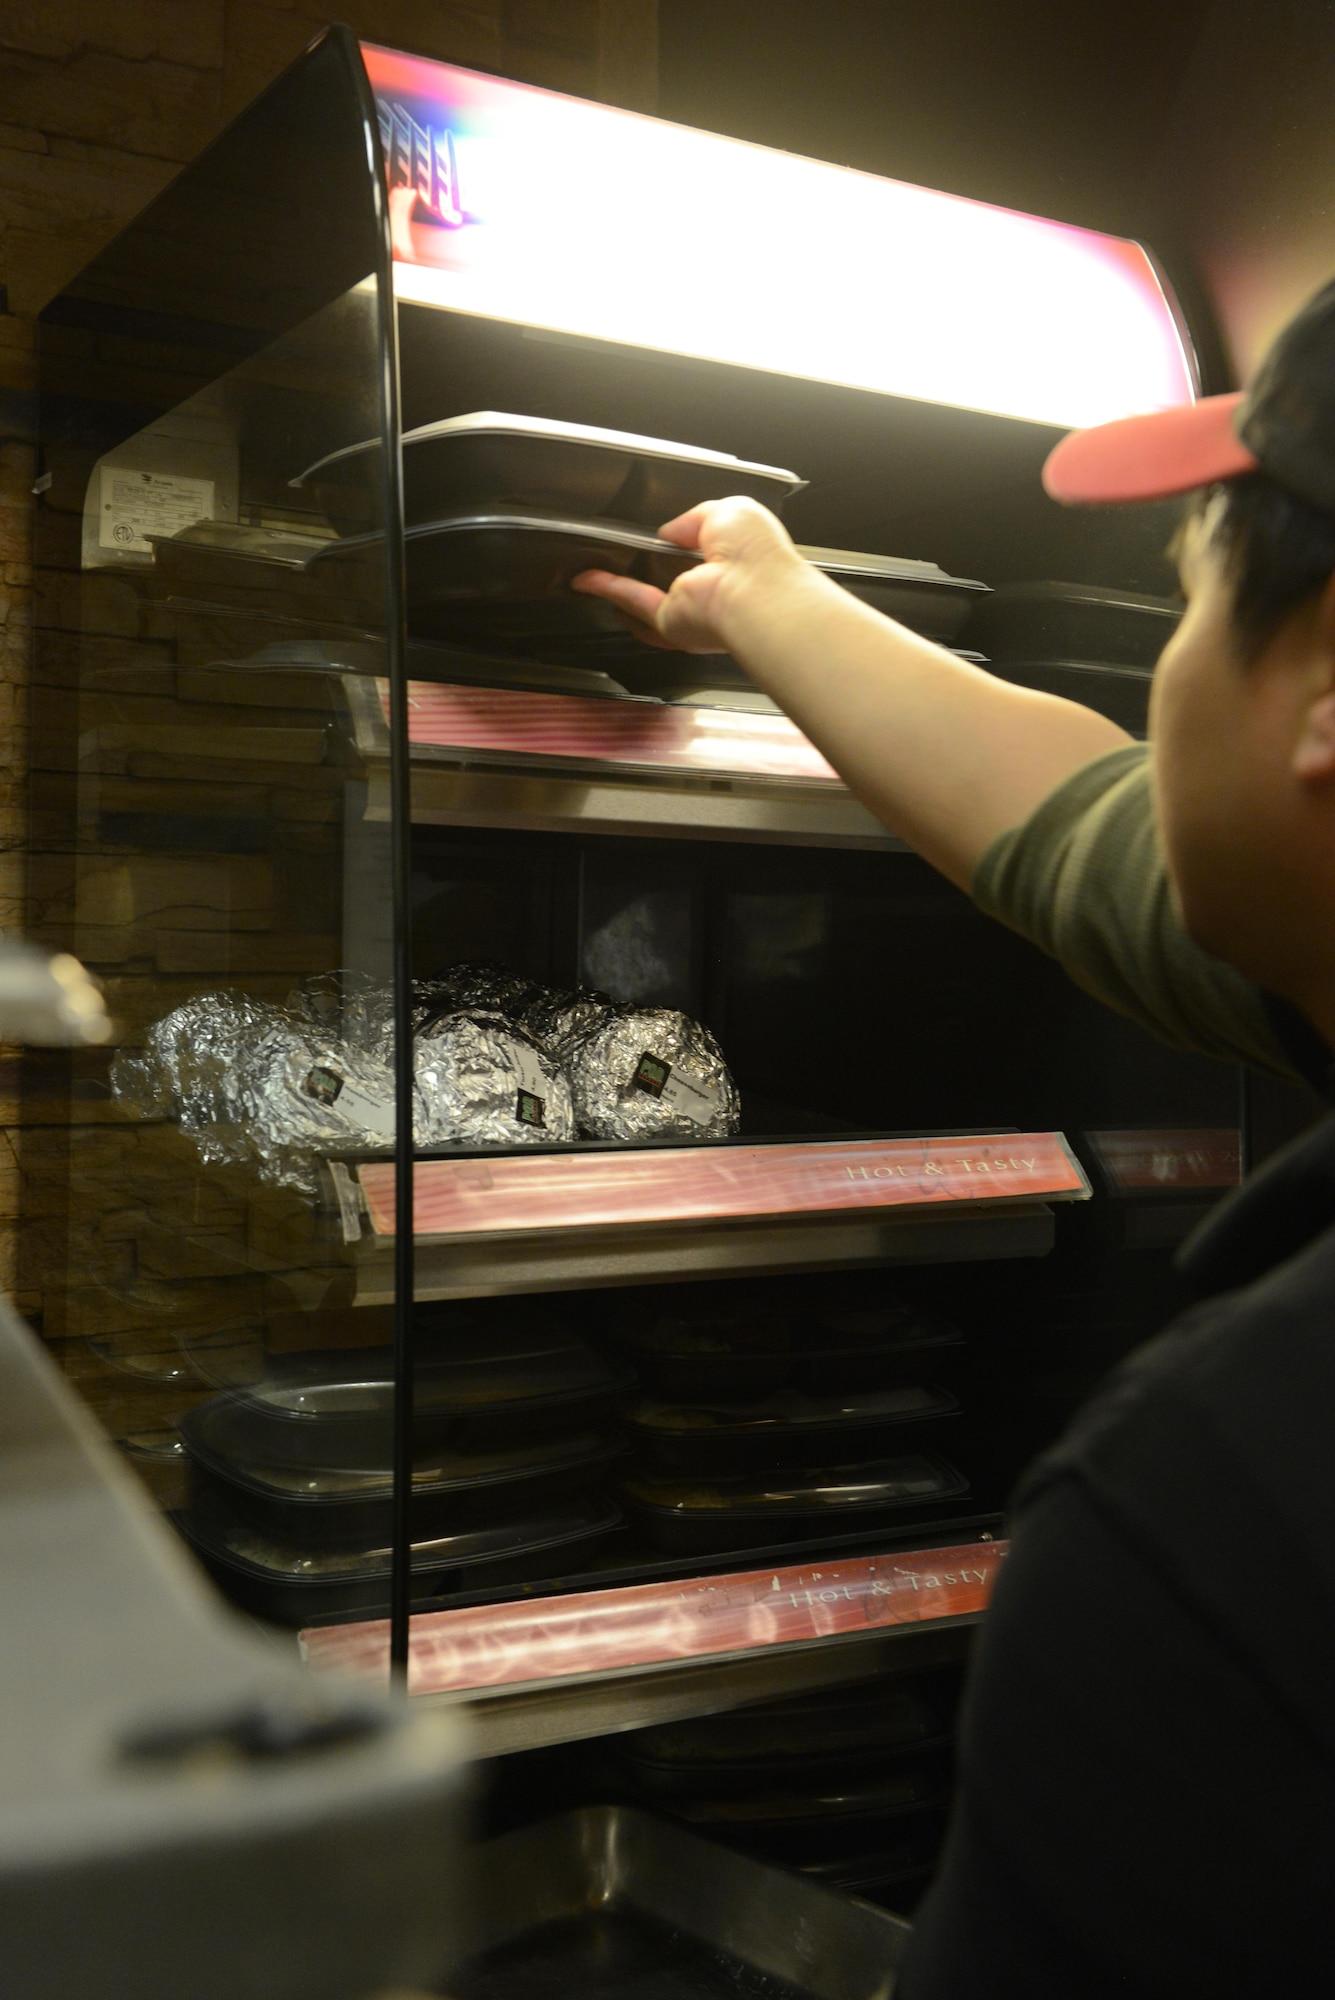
(504, 510)
(777, 1415)
(1092, 644)
(848, 1784)
(291, 1484)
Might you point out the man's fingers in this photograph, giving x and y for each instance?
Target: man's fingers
(686, 529)
(640, 600)
(648, 635)
(636, 604)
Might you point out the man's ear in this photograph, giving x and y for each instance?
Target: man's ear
(1325, 623)
(1314, 750)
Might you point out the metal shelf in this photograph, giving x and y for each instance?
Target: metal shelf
(555, 1669)
(562, 793)
(543, 1220)
(534, 1718)
(576, 1259)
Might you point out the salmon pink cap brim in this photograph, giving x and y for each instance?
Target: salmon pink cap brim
(1150, 457)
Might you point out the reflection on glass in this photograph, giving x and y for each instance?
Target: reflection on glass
(202, 830)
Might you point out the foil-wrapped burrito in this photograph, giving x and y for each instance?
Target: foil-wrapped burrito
(557, 1019)
(262, 1085)
(477, 987)
(279, 1088)
(272, 1087)
(651, 1073)
(482, 1081)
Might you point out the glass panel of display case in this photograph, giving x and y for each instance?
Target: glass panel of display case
(201, 834)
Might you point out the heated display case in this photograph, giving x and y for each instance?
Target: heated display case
(564, 1167)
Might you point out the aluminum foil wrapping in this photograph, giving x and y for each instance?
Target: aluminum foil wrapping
(280, 1088)
(261, 1085)
(558, 1020)
(349, 1008)
(651, 1073)
(188, 1067)
(304, 1096)
(482, 1081)
(478, 987)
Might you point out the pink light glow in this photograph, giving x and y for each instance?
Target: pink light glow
(522, 1194)
(523, 205)
(667, 1624)
(515, 723)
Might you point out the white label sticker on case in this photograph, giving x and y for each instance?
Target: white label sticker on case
(349, 1206)
(135, 505)
(685, 1093)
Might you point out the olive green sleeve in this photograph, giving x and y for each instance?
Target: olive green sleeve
(1083, 878)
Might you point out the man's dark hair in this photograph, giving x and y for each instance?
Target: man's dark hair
(1280, 551)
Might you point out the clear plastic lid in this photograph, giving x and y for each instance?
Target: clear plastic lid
(885, 1715)
(532, 523)
(480, 1370)
(553, 430)
(280, 1562)
(911, 569)
(791, 1409)
(860, 1329)
(875, 1327)
(916, 1478)
(219, 1442)
(887, 1795)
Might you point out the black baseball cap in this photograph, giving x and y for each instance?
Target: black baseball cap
(1284, 426)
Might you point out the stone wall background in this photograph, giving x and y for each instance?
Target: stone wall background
(99, 106)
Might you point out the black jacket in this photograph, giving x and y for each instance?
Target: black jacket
(1147, 1792)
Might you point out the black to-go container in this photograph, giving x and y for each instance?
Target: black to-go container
(837, 1731)
(501, 578)
(502, 581)
(302, 1586)
(920, 595)
(683, 1353)
(784, 1431)
(1120, 693)
(503, 460)
(785, 1823)
(317, 1506)
(493, 1390)
(893, 1875)
(686, 1517)
(1072, 621)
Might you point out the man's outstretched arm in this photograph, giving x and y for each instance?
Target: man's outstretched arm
(945, 754)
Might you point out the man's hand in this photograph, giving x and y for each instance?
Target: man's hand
(743, 547)
(945, 754)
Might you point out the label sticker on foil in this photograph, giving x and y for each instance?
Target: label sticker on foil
(528, 1070)
(135, 505)
(366, 1108)
(324, 1085)
(361, 1107)
(685, 1093)
(531, 1099)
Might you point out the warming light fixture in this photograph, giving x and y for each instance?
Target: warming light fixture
(522, 205)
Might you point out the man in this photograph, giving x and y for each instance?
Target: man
(1147, 1793)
